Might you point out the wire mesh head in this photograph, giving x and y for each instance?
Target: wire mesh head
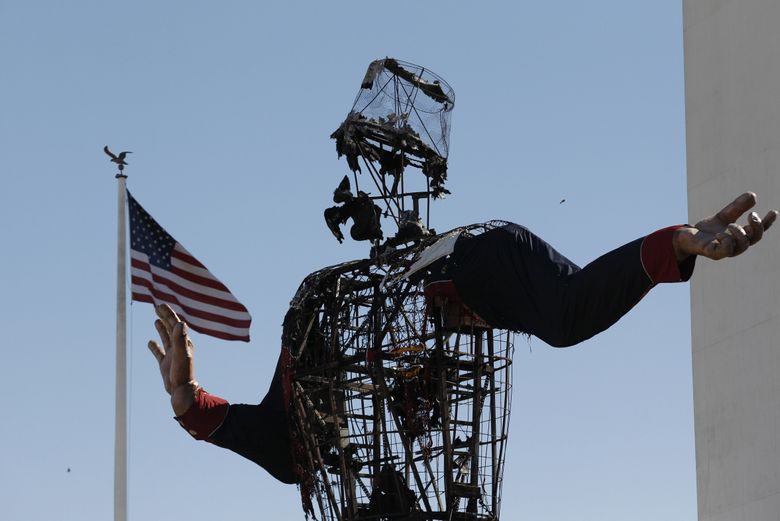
(400, 119)
(408, 95)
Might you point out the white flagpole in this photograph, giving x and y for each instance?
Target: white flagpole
(120, 434)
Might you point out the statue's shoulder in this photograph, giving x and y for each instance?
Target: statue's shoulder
(388, 263)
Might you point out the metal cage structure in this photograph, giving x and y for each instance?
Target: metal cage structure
(398, 397)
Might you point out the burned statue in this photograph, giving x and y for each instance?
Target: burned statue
(390, 399)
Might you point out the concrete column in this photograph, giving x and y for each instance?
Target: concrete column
(732, 84)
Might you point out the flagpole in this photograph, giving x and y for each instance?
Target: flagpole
(120, 410)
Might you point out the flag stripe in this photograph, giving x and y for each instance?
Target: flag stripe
(182, 265)
(172, 282)
(187, 305)
(180, 252)
(194, 316)
(159, 282)
(190, 289)
(193, 321)
(197, 279)
(143, 297)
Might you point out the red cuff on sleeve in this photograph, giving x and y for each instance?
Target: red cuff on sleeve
(205, 416)
(659, 260)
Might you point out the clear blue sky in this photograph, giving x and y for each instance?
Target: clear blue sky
(228, 108)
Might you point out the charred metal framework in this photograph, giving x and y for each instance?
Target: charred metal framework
(400, 120)
(399, 397)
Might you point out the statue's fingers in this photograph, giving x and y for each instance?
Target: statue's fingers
(769, 218)
(755, 228)
(181, 344)
(178, 337)
(741, 239)
(156, 350)
(159, 354)
(737, 207)
(168, 316)
(165, 334)
(181, 368)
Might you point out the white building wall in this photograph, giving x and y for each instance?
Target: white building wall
(732, 82)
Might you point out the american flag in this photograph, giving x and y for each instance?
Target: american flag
(163, 272)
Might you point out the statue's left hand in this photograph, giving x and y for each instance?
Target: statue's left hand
(719, 236)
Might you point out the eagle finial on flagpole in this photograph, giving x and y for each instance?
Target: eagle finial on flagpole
(118, 159)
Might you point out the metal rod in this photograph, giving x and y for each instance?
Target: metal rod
(347, 481)
(504, 419)
(475, 417)
(444, 408)
(493, 437)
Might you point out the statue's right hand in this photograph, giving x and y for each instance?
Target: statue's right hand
(175, 358)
